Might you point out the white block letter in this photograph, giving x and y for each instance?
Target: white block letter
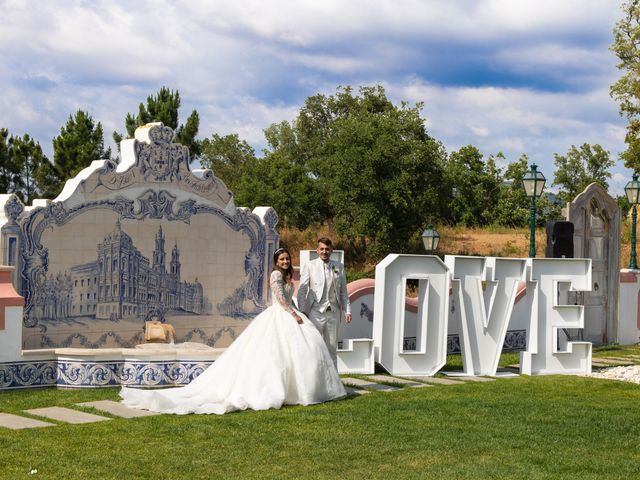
(484, 312)
(548, 282)
(389, 311)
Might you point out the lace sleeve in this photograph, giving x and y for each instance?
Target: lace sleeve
(277, 291)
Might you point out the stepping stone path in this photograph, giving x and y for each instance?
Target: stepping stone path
(16, 422)
(355, 391)
(399, 381)
(501, 374)
(627, 361)
(473, 379)
(66, 415)
(117, 409)
(353, 386)
(366, 384)
(608, 362)
(438, 380)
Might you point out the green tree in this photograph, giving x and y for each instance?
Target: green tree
(273, 180)
(548, 208)
(475, 187)
(624, 203)
(626, 91)
(370, 166)
(579, 168)
(285, 186)
(27, 155)
(48, 180)
(512, 209)
(81, 141)
(163, 107)
(9, 170)
(230, 158)
(289, 152)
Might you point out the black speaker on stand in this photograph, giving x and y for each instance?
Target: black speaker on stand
(559, 240)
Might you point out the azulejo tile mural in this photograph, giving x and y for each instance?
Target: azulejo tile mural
(139, 239)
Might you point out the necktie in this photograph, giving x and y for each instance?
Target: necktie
(328, 279)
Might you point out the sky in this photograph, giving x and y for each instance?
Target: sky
(513, 76)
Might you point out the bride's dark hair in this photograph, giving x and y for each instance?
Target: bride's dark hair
(287, 274)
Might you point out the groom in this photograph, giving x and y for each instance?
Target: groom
(322, 295)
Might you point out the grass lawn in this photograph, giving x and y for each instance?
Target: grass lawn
(528, 427)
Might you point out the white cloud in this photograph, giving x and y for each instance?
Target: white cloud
(479, 131)
(514, 76)
(517, 121)
(248, 118)
(618, 182)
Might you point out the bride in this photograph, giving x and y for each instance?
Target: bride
(279, 359)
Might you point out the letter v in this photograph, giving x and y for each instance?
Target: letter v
(484, 312)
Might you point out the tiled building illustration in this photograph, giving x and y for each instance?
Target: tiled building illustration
(121, 284)
(183, 252)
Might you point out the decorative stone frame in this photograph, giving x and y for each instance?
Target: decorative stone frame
(151, 181)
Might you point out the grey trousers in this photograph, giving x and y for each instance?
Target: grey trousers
(327, 324)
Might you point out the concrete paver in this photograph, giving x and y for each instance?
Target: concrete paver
(610, 361)
(399, 381)
(437, 380)
(357, 382)
(117, 409)
(66, 415)
(470, 378)
(355, 391)
(505, 374)
(628, 360)
(16, 422)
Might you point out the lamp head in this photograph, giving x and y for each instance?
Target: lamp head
(430, 239)
(533, 182)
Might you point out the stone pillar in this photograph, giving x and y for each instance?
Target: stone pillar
(10, 241)
(629, 307)
(596, 219)
(269, 219)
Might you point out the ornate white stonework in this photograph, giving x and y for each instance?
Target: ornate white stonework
(138, 238)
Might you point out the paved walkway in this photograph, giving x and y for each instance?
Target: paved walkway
(361, 385)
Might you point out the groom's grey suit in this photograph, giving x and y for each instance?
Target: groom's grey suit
(323, 297)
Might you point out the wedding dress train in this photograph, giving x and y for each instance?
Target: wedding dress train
(275, 361)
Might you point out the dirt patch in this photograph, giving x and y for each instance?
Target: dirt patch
(484, 242)
(490, 243)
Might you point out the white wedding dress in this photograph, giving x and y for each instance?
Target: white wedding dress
(275, 361)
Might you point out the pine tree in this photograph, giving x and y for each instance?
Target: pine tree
(26, 154)
(81, 141)
(163, 107)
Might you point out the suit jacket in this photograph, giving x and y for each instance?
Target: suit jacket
(312, 282)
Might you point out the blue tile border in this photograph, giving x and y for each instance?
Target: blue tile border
(64, 373)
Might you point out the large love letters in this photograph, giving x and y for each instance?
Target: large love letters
(485, 291)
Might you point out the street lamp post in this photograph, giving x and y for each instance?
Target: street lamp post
(632, 190)
(430, 238)
(533, 186)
